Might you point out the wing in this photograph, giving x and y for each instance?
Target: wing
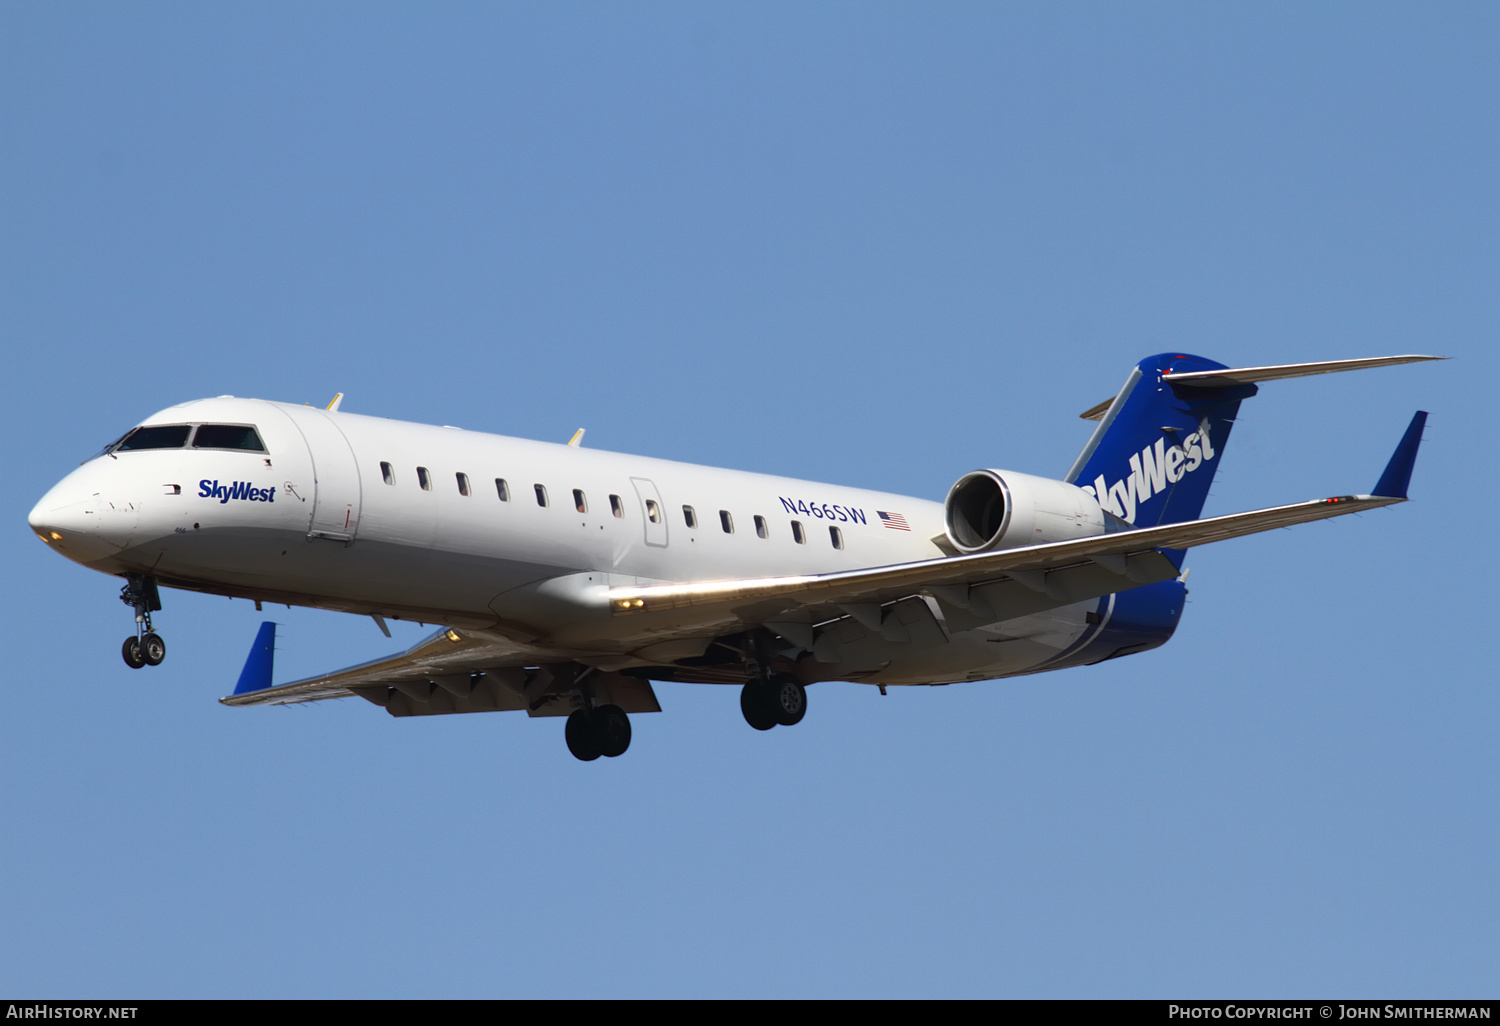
(450, 671)
(987, 587)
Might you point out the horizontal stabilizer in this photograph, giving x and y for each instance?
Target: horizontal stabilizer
(1097, 411)
(1397, 476)
(1231, 376)
(1250, 375)
(256, 676)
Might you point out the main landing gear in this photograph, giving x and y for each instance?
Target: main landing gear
(780, 700)
(604, 730)
(145, 647)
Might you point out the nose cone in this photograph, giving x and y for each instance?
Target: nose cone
(81, 525)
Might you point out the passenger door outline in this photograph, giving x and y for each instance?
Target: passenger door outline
(656, 533)
(336, 481)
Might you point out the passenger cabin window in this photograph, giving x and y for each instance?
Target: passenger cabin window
(227, 436)
(165, 437)
(726, 521)
(424, 479)
(463, 483)
(836, 536)
(653, 512)
(797, 535)
(387, 473)
(616, 507)
(689, 517)
(541, 494)
(760, 527)
(502, 489)
(580, 503)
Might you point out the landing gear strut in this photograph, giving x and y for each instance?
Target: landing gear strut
(780, 700)
(604, 731)
(145, 647)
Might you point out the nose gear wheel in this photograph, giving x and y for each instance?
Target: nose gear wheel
(153, 649)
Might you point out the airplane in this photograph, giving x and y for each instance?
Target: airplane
(565, 579)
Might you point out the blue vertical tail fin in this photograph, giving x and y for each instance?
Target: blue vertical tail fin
(1153, 456)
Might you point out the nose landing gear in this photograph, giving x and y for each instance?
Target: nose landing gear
(145, 648)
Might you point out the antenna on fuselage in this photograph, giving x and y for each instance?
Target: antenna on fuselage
(333, 407)
(577, 440)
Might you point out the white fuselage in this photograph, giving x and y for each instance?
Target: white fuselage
(371, 516)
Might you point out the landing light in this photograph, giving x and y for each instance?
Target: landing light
(55, 536)
(44, 538)
(453, 635)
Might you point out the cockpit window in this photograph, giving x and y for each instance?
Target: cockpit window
(166, 436)
(227, 436)
(111, 447)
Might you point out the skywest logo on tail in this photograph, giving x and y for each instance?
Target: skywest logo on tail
(1151, 471)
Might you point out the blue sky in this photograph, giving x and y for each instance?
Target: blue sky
(878, 245)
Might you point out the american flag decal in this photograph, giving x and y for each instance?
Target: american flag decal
(895, 521)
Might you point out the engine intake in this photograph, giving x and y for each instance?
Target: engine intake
(994, 509)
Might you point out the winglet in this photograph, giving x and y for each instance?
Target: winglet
(333, 407)
(577, 440)
(1397, 476)
(256, 676)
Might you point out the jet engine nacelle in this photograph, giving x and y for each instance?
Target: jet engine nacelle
(1000, 509)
